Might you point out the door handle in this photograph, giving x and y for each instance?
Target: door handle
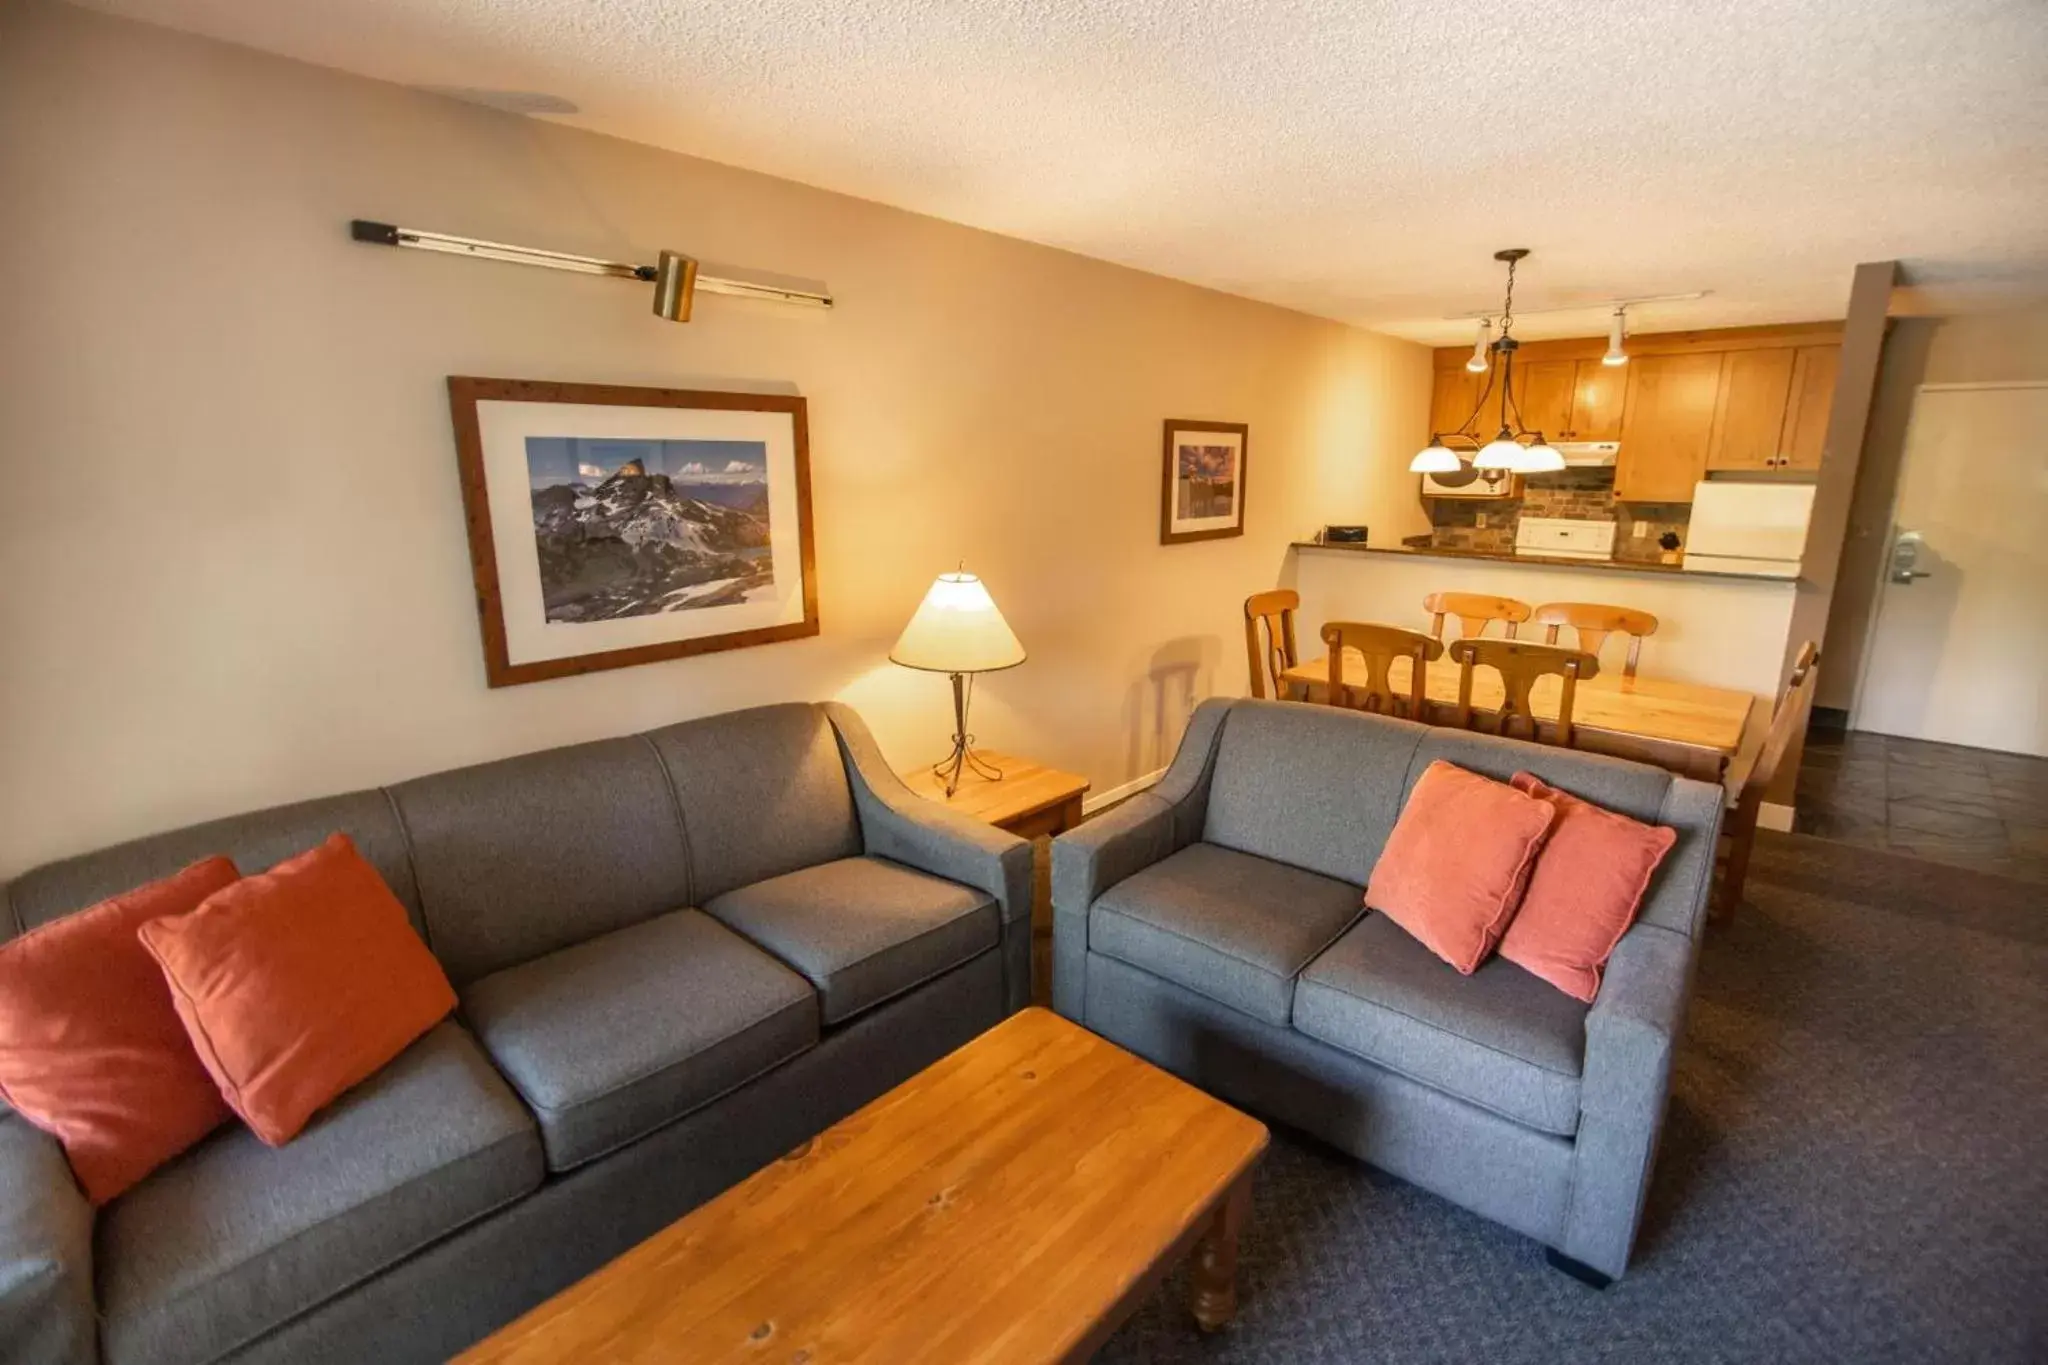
(1906, 547)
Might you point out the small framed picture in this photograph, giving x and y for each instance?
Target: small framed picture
(612, 526)
(1203, 493)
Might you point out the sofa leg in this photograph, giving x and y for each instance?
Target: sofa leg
(1578, 1270)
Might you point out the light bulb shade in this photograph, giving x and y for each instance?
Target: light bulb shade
(1541, 458)
(1477, 364)
(1437, 459)
(1616, 355)
(957, 629)
(1500, 453)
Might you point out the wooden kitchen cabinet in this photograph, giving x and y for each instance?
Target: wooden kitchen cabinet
(1452, 398)
(1667, 423)
(1813, 396)
(1750, 410)
(1543, 392)
(1598, 392)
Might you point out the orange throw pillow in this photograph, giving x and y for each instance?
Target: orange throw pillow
(1455, 866)
(299, 983)
(91, 1050)
(1585, 890)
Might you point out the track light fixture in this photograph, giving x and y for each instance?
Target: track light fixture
(675, 277)
(1616, 331)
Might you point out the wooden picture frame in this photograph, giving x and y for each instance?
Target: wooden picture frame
(1215, 467)
(581, 567)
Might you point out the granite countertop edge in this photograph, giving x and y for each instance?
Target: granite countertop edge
(1540, 561)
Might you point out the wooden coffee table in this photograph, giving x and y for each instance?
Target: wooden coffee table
(1015, 1201)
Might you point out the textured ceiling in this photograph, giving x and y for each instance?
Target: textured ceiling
(1358, 160)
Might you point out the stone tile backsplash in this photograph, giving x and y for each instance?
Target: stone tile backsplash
(1579, 494)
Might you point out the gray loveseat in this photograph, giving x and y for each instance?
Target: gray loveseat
(1214, 925)
(679, 954)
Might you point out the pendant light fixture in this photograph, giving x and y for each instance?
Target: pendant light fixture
(1514, 449)
(1616, 332)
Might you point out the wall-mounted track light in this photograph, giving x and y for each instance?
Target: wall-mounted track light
(675, 278)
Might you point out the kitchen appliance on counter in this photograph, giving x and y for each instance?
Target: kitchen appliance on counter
(1564, 538)
(1748, 528)
(1467, 482)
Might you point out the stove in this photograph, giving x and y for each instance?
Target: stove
(1565, 538)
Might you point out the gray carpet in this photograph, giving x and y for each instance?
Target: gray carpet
(1855, 1165)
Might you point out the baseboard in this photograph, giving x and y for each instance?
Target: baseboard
(1096, 801)
(1771, 815)
(1830, 719)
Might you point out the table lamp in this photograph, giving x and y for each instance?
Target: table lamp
(958, 630)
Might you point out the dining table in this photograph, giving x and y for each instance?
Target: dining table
(1689, 728)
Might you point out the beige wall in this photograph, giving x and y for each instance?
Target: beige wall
(233, 569)
(1977, 348)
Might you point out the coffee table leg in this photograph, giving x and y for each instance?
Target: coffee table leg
(1214, 1281)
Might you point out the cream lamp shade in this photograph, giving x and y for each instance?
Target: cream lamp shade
(957, 629)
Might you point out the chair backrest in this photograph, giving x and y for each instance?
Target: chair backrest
(1274, 654)
(1380, 646)
(1520, 664)
(1473, 610)
(1786, 718)
(1593, 623)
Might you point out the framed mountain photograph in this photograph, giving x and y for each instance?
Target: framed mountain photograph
(1203, 493)
(612, 526)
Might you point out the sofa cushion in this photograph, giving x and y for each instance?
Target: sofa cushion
(862, 929)
(1314, 787)
(522, 857)
(1499, 1038)
(611, 1039)
(762, 792)
(1231, 926)
(234, 1238)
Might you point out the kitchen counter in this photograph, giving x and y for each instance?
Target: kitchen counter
(1539, 561)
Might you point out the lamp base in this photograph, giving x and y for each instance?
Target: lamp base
(950, 768)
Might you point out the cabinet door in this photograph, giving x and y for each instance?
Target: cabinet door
(1543, 392)
(1749, 417)
(1813, 398)
(1664, 433)
(1597, 393)
(1452, 399)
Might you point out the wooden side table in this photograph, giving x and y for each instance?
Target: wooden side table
(1032, 801)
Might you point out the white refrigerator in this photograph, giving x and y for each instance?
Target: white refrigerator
(1748, 528)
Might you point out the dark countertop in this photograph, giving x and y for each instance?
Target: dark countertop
(1538, 561)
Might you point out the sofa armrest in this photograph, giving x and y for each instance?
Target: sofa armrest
(46, 1295)
(1678, 898)
(1149, 826)
(898, 824)
(1632, 1033)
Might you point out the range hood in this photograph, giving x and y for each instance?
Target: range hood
(1589, 454)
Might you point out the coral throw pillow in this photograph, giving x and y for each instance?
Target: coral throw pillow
(91, 1049)
(1585, 890)
(299, 983)
(1456, 864)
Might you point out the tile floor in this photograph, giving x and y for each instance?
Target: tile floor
(1940, 802)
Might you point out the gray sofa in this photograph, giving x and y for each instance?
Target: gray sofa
(679, 954)
(1214, 925)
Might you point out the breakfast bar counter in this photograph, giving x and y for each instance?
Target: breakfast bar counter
(1631, 566)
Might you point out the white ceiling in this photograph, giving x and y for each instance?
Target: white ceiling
(1359, 160)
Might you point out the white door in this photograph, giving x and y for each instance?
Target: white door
(1959, 652)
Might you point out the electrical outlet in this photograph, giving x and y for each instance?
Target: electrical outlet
(1642, 530)
(1481, 520)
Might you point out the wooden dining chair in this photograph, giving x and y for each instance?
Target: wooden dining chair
(1473, 610)
(1380, 646)
(1593, 623)
(1738, 831)
(1270, 614)
(1520, 664)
